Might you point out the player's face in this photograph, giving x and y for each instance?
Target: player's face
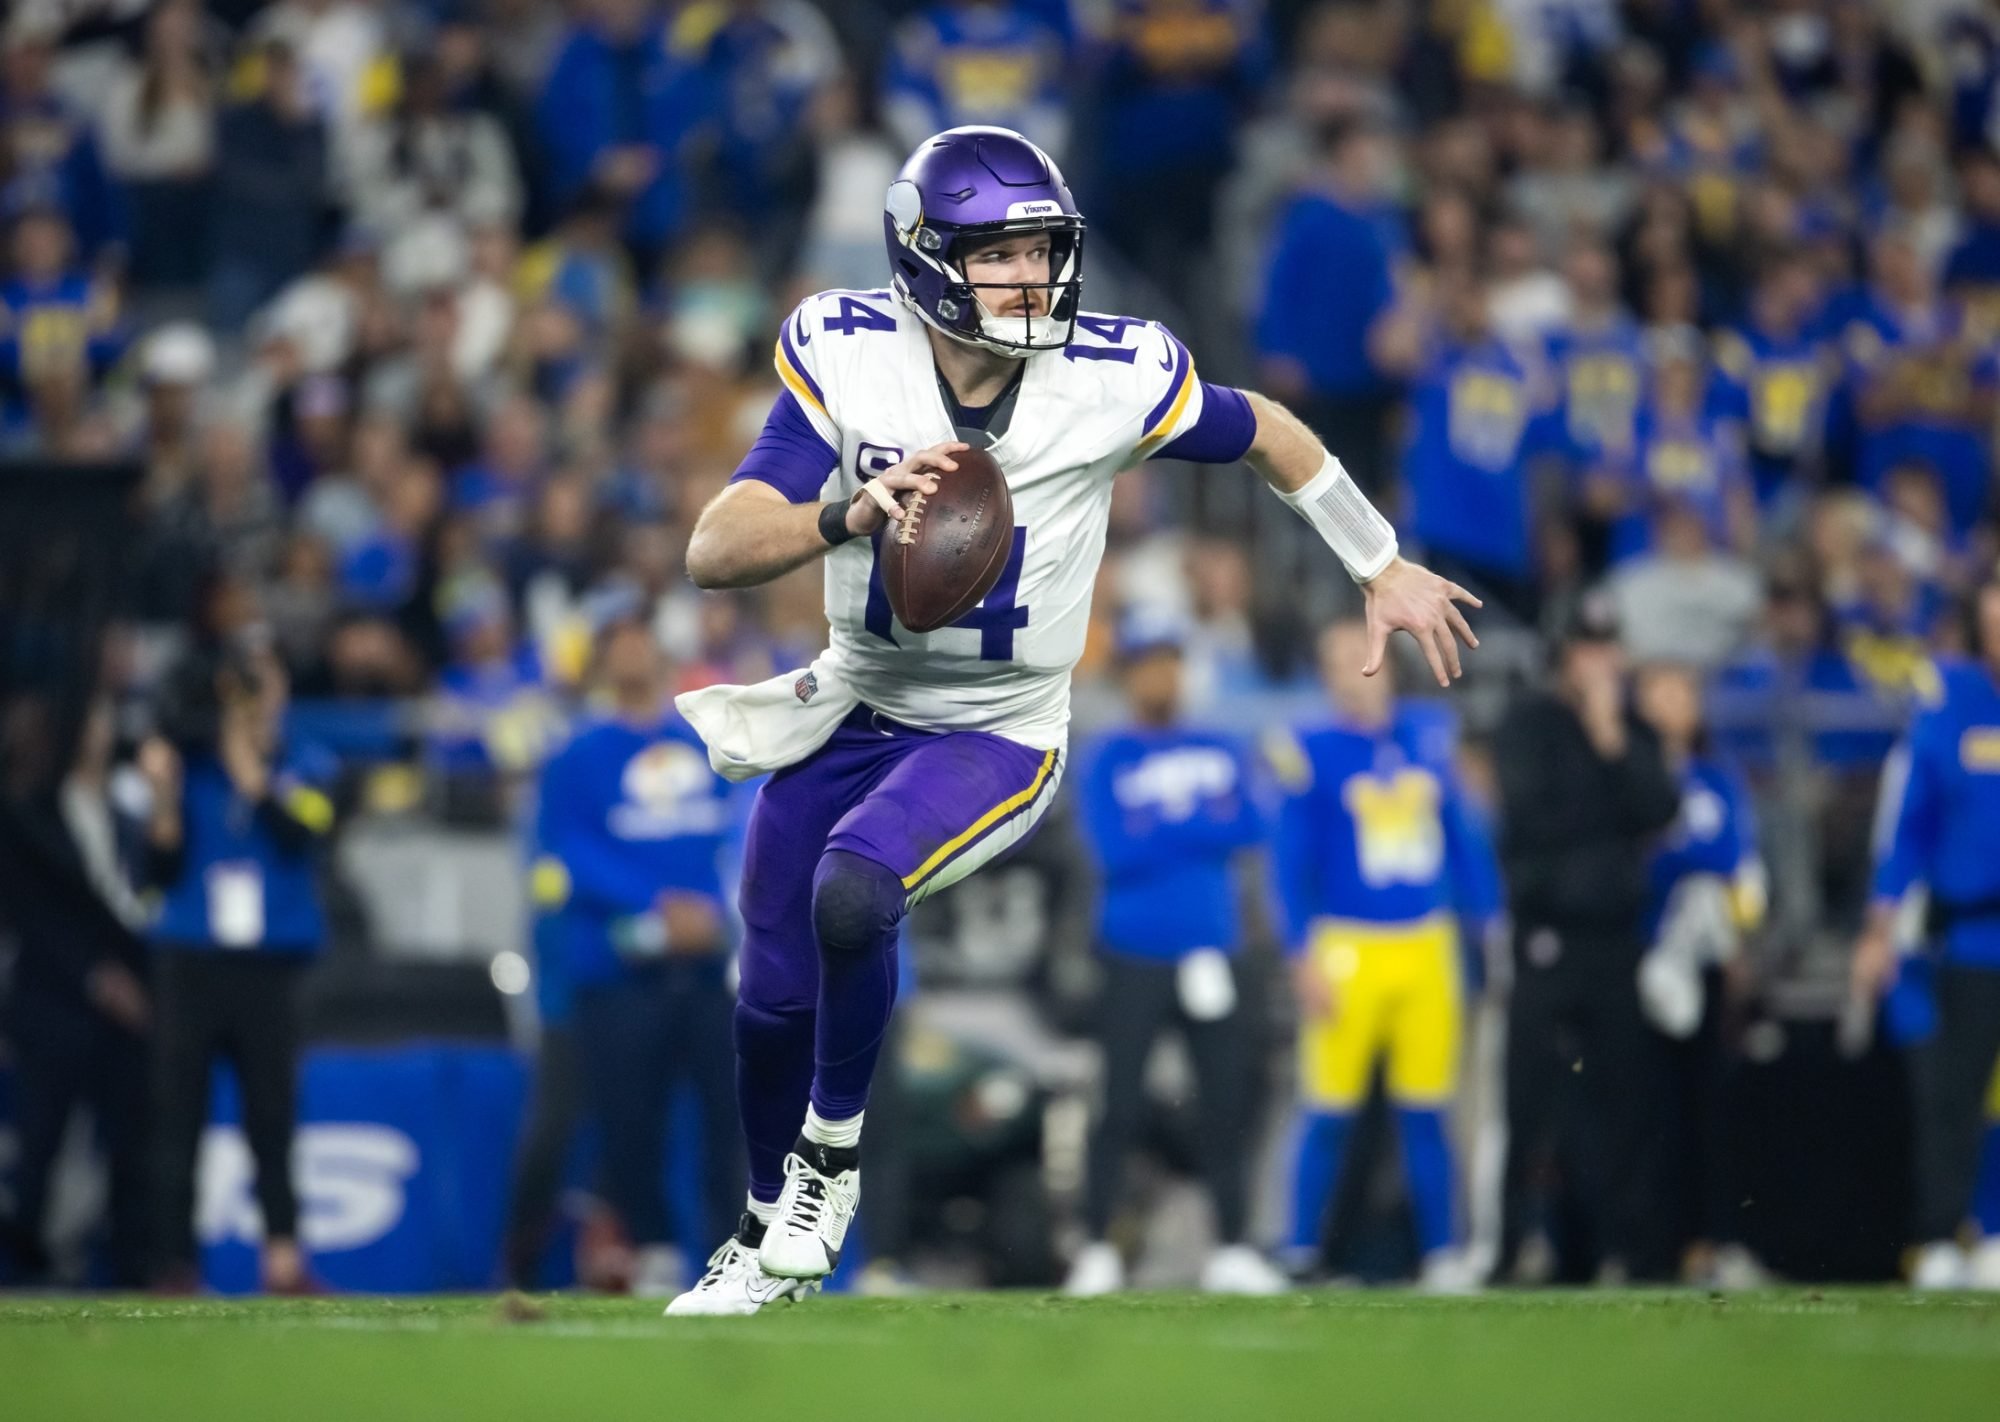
(1020, 263)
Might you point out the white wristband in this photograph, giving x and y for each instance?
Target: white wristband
(1335, 506)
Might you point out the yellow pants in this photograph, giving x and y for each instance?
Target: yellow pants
(1396, 993)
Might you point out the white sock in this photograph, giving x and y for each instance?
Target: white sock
(837, 1134)
(761, 1212)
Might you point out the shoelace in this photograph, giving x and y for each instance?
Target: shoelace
(719, 1262)
(805, 1211)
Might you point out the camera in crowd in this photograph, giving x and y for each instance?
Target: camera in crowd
(204, 685)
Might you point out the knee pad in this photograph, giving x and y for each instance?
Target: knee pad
(857, 903)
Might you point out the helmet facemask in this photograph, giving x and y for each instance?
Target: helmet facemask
(934, 256)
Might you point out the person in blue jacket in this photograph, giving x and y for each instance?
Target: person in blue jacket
(232, 838)
(621, 115)
(1940, 814)
(632, 828)
(1167, 809)
(1385, 872)
(1707, 895)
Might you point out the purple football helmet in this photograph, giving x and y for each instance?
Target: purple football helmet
(965, 185)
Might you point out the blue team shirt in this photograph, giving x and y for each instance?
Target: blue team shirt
(600, 96)
(629, 812)
(1941, 812)
(1475, 425)
(1938, 364)
(1694, 460)
(239, 888)
(991, 64)
(1165, 811)
(1776, 385)
(1327, 282)
(1600, 380)
(1374, 826)
(1175, 78)
(65, 326)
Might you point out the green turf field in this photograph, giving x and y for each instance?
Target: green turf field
(1790, 1357)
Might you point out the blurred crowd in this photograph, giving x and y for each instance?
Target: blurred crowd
(434, 323)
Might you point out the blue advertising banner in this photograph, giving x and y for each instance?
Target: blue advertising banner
(402, 1163)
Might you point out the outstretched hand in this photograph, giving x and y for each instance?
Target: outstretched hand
(1406, 597)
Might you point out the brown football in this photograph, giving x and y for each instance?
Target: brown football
(947, 552)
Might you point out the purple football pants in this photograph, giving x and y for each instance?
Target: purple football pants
(839, 847)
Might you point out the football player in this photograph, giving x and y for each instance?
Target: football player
(904, 761)
(1380, 858)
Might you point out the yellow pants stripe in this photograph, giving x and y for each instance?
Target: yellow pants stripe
(985, 822)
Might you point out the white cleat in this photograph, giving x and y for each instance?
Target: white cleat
(734, 1285)
(814, 1211)
(1097, 1270)
(659, 1272)
(1447, 1273)
(1940, 1266)
(1739, 1271)
(1984, 1273)
(1239, 1269)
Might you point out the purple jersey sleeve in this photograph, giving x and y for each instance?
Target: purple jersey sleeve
(789, 454)
(1220, 435)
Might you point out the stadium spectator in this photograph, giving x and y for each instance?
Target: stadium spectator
(1389, 884)
(340, 47)
(159, 128)
(46, 146)
(431, 158)
(1172, 79)
(1481, 416)
(235, 820)
(1584, 790)
(1167, 812)
(1776, 374)
(273, 162)
(621, 114)
(1919, 387)
(1684, 599)
(1598, 358)
(1941, 804)
(768, 62)
(1327, 282)
(1683, 449)
(1707, 896)
(977, 62)
(81, 1007)
(635, 820)
(59, 325)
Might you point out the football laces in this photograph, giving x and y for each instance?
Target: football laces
(913, 512)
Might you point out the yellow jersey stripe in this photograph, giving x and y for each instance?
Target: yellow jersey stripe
(1166, 422)
(795, 382)
(985, 822)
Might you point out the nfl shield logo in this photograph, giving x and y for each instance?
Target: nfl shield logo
(806, 687)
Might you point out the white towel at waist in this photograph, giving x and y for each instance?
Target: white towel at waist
(752, 730)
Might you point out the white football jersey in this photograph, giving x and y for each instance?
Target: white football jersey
(860, 364)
